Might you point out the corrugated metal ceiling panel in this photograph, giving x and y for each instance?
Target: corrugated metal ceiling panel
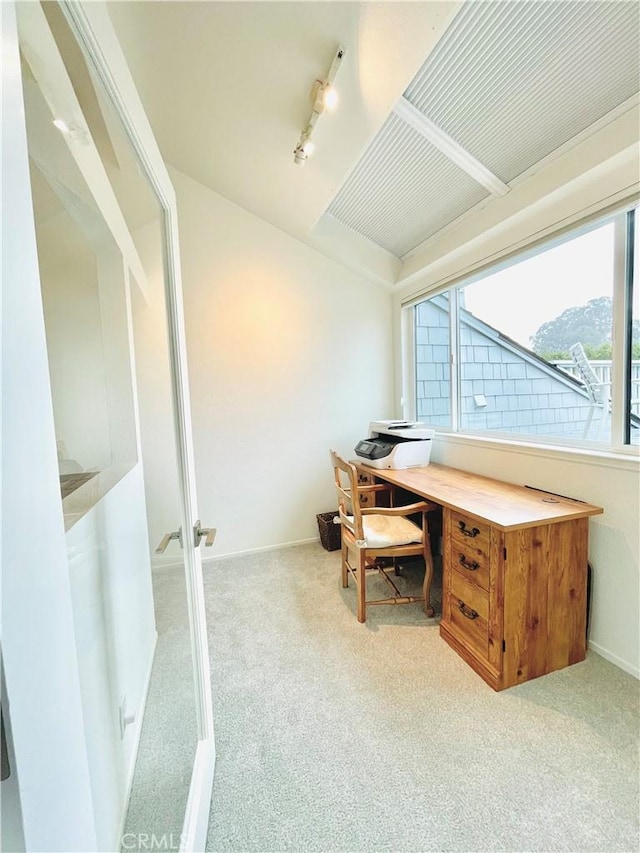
(513, 81)
(403, 190)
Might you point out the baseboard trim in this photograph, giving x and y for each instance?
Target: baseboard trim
(172, 564)
(260, 550)
(159, 566)
(196, 820)
(614, 659)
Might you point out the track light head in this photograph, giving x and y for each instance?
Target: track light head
(303, 150)
(323, 97)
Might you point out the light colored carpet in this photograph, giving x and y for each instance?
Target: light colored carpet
(169, 731)
(335, 736)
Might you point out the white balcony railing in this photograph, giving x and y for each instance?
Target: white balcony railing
(602, 369)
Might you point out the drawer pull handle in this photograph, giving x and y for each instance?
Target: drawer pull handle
(467, 611)
(471, 533)
(467, 565)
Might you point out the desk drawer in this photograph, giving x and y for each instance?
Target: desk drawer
(471, 539)
(470, 613)
(366, 479)
(472, 563)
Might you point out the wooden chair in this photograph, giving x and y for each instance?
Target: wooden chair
(369, 533)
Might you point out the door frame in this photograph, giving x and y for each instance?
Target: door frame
(95, 33)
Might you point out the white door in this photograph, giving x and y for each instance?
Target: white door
(92, 571)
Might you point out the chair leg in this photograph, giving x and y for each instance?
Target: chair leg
(345, 558)
(362, 607)
(428, 569)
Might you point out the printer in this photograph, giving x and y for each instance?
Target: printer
(396, 444)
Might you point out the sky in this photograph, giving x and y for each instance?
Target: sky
(519, 299)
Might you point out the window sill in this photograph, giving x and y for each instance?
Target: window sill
(624, 459)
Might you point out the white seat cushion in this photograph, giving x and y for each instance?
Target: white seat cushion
(384, 531)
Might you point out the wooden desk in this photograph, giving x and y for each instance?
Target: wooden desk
(514, 585)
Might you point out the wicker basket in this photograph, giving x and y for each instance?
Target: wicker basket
(330, 537)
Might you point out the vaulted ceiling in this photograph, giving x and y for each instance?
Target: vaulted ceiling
(443, 106)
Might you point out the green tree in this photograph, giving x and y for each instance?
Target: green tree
(588, 324)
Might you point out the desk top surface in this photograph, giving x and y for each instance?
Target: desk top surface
(504, 505)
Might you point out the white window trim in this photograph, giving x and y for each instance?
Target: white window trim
(627, 459)
(408, 350)
(618, 332)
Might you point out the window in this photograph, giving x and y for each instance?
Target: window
(528, 349)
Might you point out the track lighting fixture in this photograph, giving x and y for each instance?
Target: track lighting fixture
(324, 98)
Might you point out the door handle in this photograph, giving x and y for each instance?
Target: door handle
(200, 532)
(162, 547)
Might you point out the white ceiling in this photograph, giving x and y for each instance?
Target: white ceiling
(226, 87)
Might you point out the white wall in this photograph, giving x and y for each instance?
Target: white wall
(115, 634)
(76, 360)
(153, 372)
(87, 342)
(289, 354)
(118, 363)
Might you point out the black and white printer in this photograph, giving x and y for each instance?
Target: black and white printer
(396, 444)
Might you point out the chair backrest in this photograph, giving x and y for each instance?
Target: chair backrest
(346, 480)
(595, 388)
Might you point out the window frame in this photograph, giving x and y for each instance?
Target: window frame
(626, 309)
(626, 222)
